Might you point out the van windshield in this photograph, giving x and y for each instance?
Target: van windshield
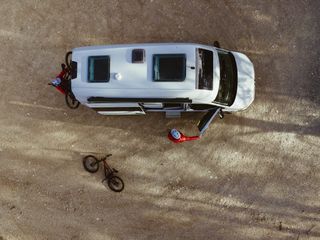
(228, 79)
(205, 69)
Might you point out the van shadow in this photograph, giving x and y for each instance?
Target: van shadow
(312, 128)
(152, 124)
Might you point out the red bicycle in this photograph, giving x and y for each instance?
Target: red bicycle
(63, 82)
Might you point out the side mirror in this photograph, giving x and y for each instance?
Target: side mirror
(216, 44)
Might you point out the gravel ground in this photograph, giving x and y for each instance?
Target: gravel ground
(255, 174)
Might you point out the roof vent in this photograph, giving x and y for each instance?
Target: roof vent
(138, 56)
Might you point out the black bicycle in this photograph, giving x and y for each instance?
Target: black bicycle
(65, 85)
(91, 164)
(71, 100)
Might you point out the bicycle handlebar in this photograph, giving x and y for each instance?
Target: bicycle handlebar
(105, 157)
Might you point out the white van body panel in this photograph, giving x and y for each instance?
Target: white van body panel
(137, 78)
(246, 82)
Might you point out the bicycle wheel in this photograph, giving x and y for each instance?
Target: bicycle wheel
(90, 163)
(68, 59)
(71, 101)
(115, 184)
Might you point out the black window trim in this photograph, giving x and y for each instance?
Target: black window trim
(138, 100)
(118, 109)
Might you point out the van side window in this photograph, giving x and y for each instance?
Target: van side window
(169, 67)
(99, 69)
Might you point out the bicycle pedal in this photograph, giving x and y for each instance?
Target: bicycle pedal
(105, 179)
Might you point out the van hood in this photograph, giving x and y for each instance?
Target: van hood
(246, 82)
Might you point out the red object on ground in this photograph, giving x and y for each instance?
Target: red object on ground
(182, 138)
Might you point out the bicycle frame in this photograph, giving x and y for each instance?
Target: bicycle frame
(108, 171)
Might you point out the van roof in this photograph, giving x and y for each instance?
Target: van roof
(136, 80)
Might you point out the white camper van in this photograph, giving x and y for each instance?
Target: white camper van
(134, 79)
(167, 77)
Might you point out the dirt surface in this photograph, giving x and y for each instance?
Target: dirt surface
(255, 174)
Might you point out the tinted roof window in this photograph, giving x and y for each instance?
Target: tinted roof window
(169, 67)
(205, 69)
(99, 69)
